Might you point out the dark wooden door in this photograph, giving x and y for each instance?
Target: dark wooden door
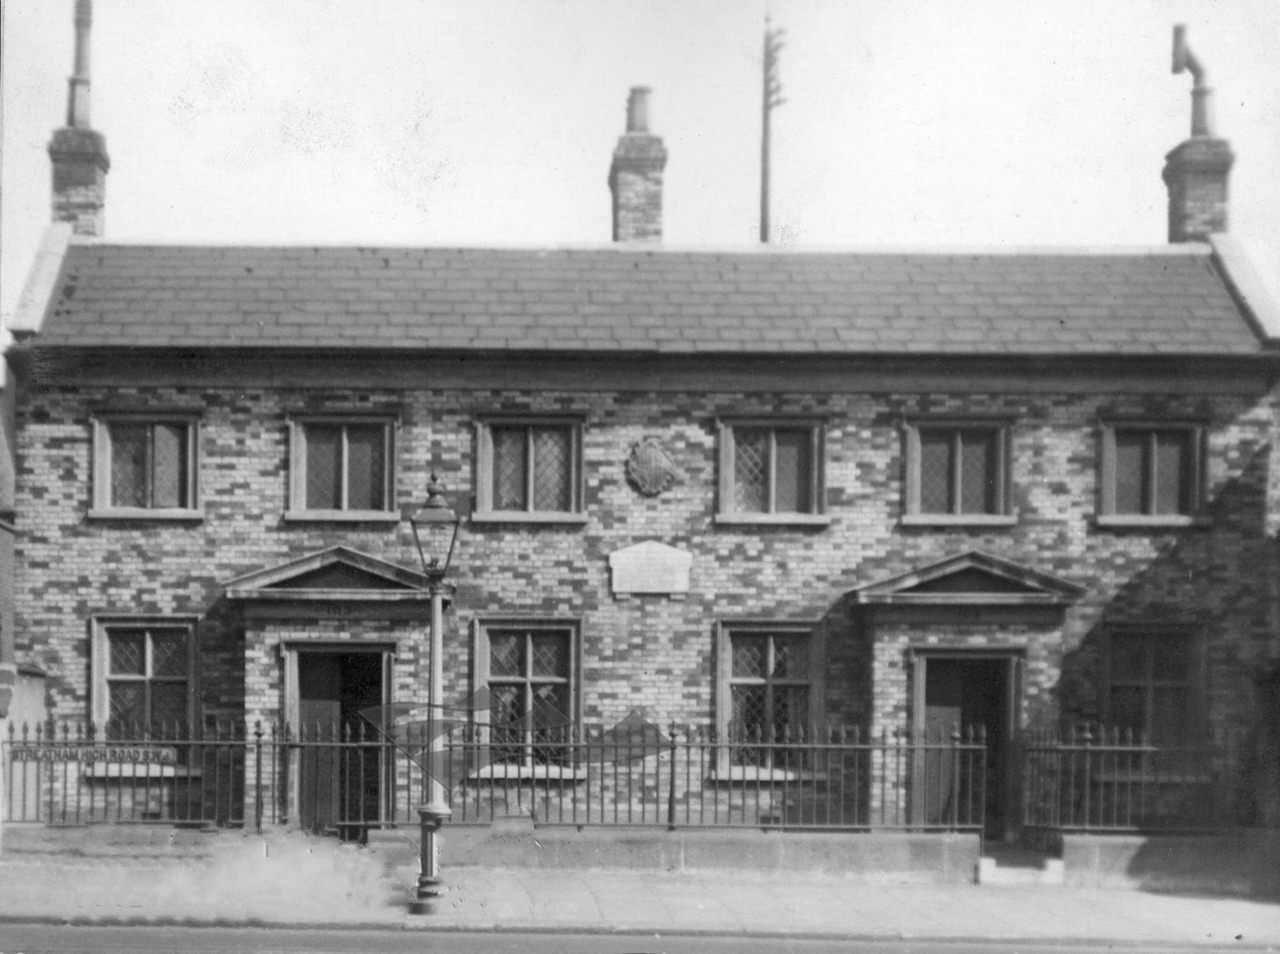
(363, 764)
(964, 694)
(341, 764)
(319, 714)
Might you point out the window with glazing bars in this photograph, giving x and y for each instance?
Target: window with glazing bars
(959, 470)
(533, 467)
(145, 465)
(146, 681)
(1152, 688)
(1151, 470)
(343, 465)
(769, 693)
(531, 692)
(771, 469)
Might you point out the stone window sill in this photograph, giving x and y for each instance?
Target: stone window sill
(959, 520)
(174, 514)
(1134, 521)
(754, 774)
(772, 519)
(503, 771)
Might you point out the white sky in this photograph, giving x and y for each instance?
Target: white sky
(907, 123)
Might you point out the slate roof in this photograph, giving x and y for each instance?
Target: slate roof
(1167, 301)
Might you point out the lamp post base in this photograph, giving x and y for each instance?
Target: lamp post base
(430, 885)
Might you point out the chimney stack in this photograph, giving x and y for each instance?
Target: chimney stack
(78, 153)
(635, 178)
(1196, 171)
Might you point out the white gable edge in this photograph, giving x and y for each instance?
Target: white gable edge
(42, 281)
(1039, 587)
(1250, 290)
(271, 577)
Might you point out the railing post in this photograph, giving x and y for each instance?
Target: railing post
(671, 782)
(955, 776)
(257, 776)
(1087, 739)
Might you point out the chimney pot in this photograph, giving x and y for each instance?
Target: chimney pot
(638, 110)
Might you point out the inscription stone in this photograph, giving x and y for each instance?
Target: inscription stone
(650, 567)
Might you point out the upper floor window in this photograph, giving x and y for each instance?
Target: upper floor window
(957, 472)
(342, 468)
(142, 677)
(770, 471)
(1152, 684)
(1151, 472)
(530, 469)
(145, 465)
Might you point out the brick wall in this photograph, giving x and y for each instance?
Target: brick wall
(652, 653)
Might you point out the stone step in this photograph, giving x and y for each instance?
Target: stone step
(1022, 870)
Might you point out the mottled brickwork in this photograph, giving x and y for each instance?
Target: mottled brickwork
(654, 654)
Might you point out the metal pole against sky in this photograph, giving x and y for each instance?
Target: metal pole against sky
(772, 97)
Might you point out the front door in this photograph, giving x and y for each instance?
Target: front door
(965, 693)
(340, 763)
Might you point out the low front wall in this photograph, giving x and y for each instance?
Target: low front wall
(1244, 862)
(870, 857)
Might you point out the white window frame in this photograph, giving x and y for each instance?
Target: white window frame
(102, 506)
(727, 512)
(726, 769)
(298, 510)
(102, 627)
(481, 674)
(485, 511)
(913, 512)
(1107, 514)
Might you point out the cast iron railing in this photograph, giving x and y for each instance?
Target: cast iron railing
(354, 777)
(1099, 780)
(827, 777)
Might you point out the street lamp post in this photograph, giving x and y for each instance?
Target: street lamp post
(435, 531)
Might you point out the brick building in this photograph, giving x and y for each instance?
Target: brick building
(763, 487)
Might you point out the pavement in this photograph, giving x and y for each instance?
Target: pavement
(295, 880)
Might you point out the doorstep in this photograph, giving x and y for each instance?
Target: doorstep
(1013, 866)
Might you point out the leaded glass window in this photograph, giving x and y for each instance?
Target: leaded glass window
(770, 685)
(959, 470)
(145, 465)
(531, 686)
(531, 467)
(343, 465)
(146, 682)
(771, 468)
(1154, 470)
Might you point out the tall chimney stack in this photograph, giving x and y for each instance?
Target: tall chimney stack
(635, 178)
(79, 154)
(1197, 169)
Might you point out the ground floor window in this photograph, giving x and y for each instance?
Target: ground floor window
(766, 688)
(1152, 678)
(142, 677)
(530, 671)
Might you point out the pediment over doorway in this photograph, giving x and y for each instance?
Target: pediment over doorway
(338, 574)
(973, 578)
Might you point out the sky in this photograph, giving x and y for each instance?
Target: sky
(907, 123)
